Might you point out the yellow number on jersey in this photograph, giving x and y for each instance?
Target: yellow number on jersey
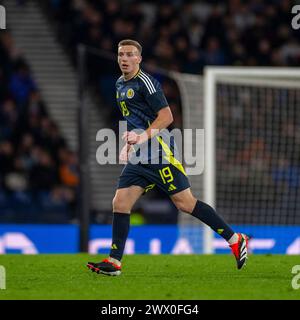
(125, 110)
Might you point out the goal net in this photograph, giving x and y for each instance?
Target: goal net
(252, 152)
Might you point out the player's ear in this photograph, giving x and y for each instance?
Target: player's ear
(140, 59)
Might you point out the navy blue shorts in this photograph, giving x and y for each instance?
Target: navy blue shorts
(167, 177)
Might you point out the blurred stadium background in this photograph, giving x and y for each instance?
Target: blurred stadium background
(257, 120)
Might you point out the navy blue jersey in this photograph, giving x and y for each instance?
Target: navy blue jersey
(139, 100)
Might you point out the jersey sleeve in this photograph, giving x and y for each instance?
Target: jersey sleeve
(153, 94)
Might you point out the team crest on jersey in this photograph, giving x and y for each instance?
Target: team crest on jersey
(130, 93)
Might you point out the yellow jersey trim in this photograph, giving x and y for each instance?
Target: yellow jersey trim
(137, 74)
(170, 156)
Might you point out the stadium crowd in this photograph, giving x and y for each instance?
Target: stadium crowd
(38, 173)
(185, 36)
(176, 35)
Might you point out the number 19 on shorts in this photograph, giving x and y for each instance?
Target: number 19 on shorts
(166, 175)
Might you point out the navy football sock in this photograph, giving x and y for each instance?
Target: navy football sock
(120, 229)
(208, 215)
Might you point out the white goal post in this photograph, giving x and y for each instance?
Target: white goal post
(263, 79)
(203, 101)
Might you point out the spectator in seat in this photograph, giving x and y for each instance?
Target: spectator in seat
(21, 83)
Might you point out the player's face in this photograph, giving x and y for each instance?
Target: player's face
(129, 59)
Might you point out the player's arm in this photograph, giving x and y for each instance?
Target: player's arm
(163, 120)
(125, 152)
(156, 100)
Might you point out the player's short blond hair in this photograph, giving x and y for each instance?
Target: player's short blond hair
(129, 42)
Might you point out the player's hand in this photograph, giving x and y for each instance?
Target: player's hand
(133, 138)
(125, 152)
(130, 137)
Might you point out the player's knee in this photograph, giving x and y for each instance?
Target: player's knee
(120, 204)
(116, 203)
(184, 206)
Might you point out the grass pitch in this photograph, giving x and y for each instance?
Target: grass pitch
(144, 277)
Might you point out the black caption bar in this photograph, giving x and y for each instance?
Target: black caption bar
(154, 309)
